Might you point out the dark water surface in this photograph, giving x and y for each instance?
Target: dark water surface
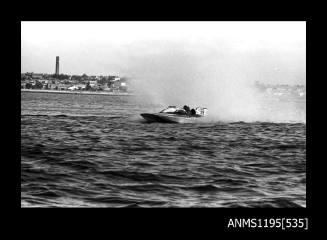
(95, 151)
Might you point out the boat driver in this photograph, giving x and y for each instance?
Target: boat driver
(187, 109)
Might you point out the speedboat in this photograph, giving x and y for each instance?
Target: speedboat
(173, 114)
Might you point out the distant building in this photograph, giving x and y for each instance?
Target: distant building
(37, 76)
(93, 83)
(118, 84)
(57, 66)
(72, 88)
(81, 86)
(77, 87)
(44, 81)
(62, 87)
(105, 87)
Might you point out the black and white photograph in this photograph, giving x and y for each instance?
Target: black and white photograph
(163, 114)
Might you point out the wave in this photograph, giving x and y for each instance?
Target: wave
(269, 203)
(70, 115)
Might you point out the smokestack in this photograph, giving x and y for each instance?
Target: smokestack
(57, 65)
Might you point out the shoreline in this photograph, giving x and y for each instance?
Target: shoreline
(76, 92)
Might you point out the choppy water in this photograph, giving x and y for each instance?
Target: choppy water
(94, 151)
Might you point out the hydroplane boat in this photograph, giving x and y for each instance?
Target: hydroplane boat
(173, 114)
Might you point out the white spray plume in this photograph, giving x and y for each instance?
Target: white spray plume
(218, 78)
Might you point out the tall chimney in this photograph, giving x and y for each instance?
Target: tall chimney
(57, 65)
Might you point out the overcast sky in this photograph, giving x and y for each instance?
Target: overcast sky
(110, 48)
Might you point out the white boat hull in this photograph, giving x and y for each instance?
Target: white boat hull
(169, 118)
